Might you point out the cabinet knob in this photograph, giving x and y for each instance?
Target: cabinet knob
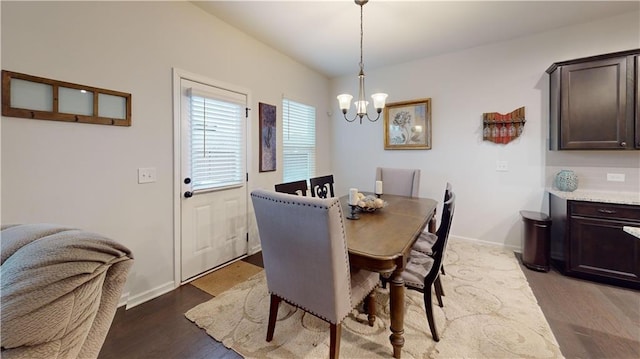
(623, 144)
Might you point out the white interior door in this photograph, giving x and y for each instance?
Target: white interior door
(213, 202)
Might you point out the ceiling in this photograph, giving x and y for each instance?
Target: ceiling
(325, 35)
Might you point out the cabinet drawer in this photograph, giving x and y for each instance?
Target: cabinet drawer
(605, 210)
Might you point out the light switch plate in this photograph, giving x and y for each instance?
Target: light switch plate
(147, 175)
(615, 177)
(502, 166)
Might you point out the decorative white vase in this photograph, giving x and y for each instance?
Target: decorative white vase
(566, 181)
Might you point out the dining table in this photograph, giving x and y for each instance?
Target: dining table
(380, 241)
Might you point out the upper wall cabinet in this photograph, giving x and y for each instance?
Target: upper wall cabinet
(594, 103)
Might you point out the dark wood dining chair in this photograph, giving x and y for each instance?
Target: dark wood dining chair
(425, 242)
(422, 271)
(307, 264)
(295, 187)
(322, 186)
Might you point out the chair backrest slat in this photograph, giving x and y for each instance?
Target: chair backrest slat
(322, 186)
(295, 187)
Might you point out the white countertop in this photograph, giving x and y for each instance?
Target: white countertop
(632, 198)
(634, 231)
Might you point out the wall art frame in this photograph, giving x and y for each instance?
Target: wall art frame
(407, 125)
(267, 124)
(33, 97)
(503, 128)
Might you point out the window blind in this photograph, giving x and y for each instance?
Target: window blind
(216, 142)
(298, 141)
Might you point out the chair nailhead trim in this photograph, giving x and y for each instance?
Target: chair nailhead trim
(336, 203)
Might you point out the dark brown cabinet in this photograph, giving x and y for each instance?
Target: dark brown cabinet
(594, 103)
(637, 115)
(594, 243)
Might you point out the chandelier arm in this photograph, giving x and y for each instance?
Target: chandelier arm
(361, 116)
(349, 120)
(369, 118)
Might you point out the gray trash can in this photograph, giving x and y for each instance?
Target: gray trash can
(537, 238)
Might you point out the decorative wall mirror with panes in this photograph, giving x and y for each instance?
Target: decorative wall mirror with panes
(33, 97)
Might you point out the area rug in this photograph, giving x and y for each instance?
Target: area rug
(223, 279)
(489, 312)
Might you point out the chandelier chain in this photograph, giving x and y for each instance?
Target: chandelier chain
(361, 36)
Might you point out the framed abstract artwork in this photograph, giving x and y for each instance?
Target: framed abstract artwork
(267, 115)
(407, 125)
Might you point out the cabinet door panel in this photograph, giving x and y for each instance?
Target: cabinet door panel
(602, 248)
(594, 104)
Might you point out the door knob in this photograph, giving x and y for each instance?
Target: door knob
(188, 194)
(187, 180)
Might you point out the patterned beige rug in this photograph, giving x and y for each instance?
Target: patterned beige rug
(489, 312)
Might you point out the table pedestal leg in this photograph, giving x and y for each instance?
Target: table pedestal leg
(396, 298)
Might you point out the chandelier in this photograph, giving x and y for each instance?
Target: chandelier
(361, 105)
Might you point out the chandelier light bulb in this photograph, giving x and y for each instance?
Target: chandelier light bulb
(378, 100)
(345, 101)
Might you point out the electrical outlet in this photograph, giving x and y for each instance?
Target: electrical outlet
(615, 177)
(146, 175)
(502, 166)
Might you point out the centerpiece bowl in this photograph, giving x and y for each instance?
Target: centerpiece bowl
(370, 203)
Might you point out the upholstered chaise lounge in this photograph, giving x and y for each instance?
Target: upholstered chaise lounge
(60, 290)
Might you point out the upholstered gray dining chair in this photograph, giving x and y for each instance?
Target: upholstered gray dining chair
(306, 260)
(399, 181)
(295, 187)
(322, 186)
(423, 271)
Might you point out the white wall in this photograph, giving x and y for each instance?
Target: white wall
(86, 175)
(495, 78)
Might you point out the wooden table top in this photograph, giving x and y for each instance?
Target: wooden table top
(377, 239)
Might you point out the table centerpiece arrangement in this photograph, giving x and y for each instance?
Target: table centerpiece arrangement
(369, 203)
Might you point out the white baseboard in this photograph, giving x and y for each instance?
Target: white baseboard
(150, 294)
(123, 299)
(503, 245)
(254, 250)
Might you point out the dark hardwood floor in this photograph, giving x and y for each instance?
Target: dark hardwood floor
(158, 328)
(589, 320)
